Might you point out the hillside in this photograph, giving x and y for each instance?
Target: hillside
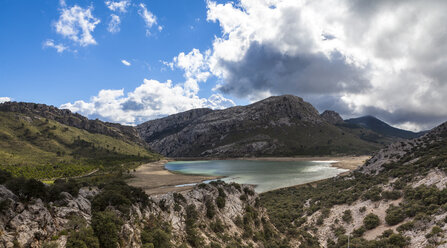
(398, 198)
(68, 214)
(378, 126)
(35, 144)
(276, 126)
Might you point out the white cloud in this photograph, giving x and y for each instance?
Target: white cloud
(125, 62)
(119, 6)
(114, 24)
(59, 47)
(369, 57)
(152, 99)
(195, 66)
(149, 18)
(5, 99)
(77, 24)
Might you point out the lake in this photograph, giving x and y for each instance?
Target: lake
(266, 175)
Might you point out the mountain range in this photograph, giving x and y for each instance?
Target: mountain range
(43, 141)
(277, 126)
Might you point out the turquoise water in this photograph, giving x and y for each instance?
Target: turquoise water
(266, 175)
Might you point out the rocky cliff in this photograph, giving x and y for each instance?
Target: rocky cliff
(276, 126)
(215, 215)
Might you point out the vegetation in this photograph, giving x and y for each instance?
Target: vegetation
(106, 226)
(156, 233)
(35, 147)
(289, 206)
(371, 221)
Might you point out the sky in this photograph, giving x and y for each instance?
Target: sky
(130, 61)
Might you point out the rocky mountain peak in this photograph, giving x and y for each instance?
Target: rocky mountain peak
(332, 117)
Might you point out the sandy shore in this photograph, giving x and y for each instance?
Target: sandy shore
(154, 179)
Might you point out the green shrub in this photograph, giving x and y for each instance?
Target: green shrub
(220, 202)
(347, 216)
(405, 227)
(210, 209)
(359, 231)
(106, 226)
(391, 195)
(83, 238)
(373, 194)
(192, 235)
(394, 215)
(371, 221)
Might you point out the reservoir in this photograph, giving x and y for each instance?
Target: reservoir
(265, 175)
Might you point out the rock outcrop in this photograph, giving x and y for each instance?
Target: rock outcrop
(332, 117)
(35, 223)
(276, 126)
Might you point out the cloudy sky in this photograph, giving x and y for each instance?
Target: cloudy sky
(134, 60)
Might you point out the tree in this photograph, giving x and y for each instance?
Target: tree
(106, 226)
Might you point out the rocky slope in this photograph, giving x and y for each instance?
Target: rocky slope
(66, 117)
(214, 215)
(277, 126)
(398, 198)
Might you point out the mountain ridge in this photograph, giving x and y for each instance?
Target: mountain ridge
(264, 128)
(375, 124)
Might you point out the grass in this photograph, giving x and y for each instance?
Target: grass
(36, 147)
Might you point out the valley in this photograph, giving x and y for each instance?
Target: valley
(277, 183)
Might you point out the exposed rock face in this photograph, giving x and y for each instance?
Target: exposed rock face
(332, 117)
(282, 125)
(37, 223)
(31, 224)
(68, 118)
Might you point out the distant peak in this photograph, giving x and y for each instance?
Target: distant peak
(332, 117)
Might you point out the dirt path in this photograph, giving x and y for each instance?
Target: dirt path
(154, 179)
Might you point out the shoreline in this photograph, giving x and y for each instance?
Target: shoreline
(155, 179)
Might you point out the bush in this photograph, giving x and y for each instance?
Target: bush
(210, 209)
(220, 202)
(394, 215)
(391, 195)
(347, 216)
(119, 195)
(405, 227)
(156, 233)
(373, 194)
(371, 221)
(106, 226)
(83, 238)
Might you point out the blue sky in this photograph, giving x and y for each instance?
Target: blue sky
(129, 61)
(31, 72)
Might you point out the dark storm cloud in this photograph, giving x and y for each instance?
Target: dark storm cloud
(264, 68)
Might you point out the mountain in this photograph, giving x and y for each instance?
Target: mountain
(378, 126)
(276, 126)
(42, 141)
(397, 198)
(332, 117)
